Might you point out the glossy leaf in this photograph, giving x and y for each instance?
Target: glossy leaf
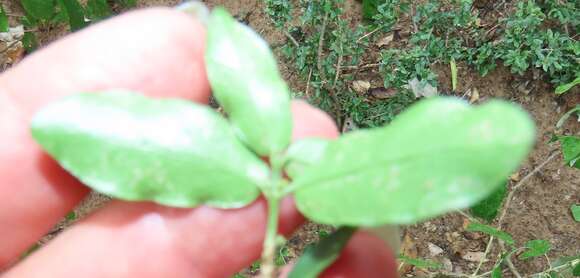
(131, 147)
(75, 14)
(370, 8)
(29, 42)
(98, 9)
(439, 155)
(4, 27)
(489, 230)
(488, 208)
(535, 248)
(245, 80)
(318, 257)
(303, 154)
(39, 9)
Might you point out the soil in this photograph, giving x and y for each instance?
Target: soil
(539, 208)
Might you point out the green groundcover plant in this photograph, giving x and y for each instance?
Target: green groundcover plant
(438, 155)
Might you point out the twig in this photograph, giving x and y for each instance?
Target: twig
(487, 249)
(322, 74)
(320, 47)
(415, 28)
(287, 34)
(508, 262)
(456, 274)
(338, 65)
(291, 38)
(504, 211)
(308, 83)
(465, 215)
(520, 184)
(362, 66)
(368, 34)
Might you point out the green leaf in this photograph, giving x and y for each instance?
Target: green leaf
(318, 257)
(245, 80)
(575, 209)
(489, 230)
(71, 216)
(496, 272)
(282, 256)
(75, 14)
(98, 9)
(570, 150)
(535, 248)
(39, 9)
(438, 155)
(564, 260)
(420, 263)
(370, 8)
(29, 41)
(173, 152)
(566, 87)
(487, 209)
(303, 154)
(127, 3)
(576, 270)
(4, 26)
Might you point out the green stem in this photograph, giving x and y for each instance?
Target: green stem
(268, 267)
(273, 194)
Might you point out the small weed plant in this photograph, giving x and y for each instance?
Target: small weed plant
(439, 155)
(327, 49)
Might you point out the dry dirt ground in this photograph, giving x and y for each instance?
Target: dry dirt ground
(539, 208)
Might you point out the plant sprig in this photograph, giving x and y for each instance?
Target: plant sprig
(437, 156)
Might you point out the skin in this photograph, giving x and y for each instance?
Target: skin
(138, 239)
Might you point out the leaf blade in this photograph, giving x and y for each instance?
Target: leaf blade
(317, 258)
(4, 26)
(246, 81)
(488, 145)
(488, 208)
(134, 148)
(575, 209)
(39, 9)
(535, 248)
(75, 14)
(489, 230)
(303, 154)
(570, 150)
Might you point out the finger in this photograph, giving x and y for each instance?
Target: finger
(364, 256)
(158, 52)
(146, 240)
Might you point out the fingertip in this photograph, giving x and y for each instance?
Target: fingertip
(156, 51)
(310, 121)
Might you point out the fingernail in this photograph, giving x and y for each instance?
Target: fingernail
(196, 9)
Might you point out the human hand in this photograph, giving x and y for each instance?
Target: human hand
(158, 52)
